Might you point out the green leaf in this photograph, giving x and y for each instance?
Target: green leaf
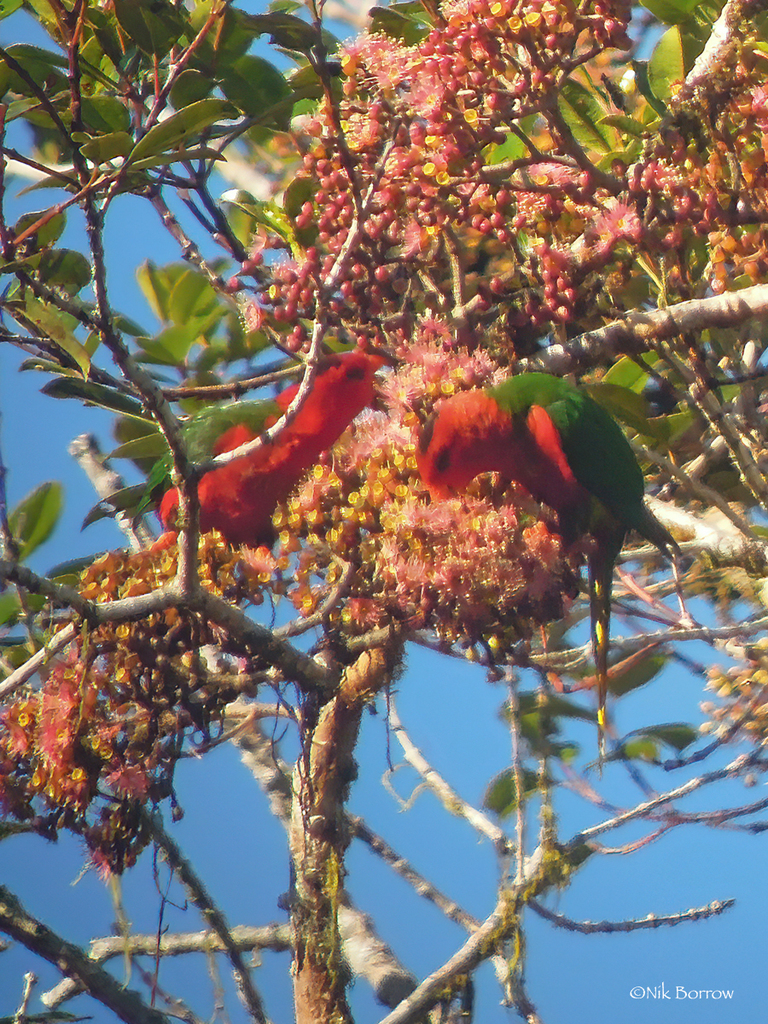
(501, 796)
(7, 7)
(98, 66)
(183, 126)
(33, 520)
(152, 25)
(642, 748)
(628, 154)
(403, 21)
(623, 405)
(190, 87)
(106, 34)
(128, 429)
(192, 296)
(27, 265)
(47, 233)
(258, 88)
(126, 499)
(10, 607)
(58, 327)
(285, 30)
(305, 86)
(666, 68)
(551, 705)
(663, 430)
(68, 573)
(156, 283)
(286, 6)
(677, 735)
(105, 114)
(626, 374)
(299, 191)
(232, 37)
(61, 181)
(267, 213)
(125, 325)
(647, 743)
(65, 269)
(94, 394)
(626, 125)
(640, 67)
(513, 147)
(41, 66)
(15, 651)
(161, 159)
(638, 675)
(583, 113)
(102, 148)
(671, 12)
(150, 446)
(171, 346)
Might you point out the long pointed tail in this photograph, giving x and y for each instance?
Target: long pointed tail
(600, 583)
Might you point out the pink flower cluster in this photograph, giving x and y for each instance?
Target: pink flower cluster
(485, 568)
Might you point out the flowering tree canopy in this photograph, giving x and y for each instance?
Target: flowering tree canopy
(463, 192)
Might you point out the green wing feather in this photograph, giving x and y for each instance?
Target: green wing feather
(599, 454)
(201, 431)
(597, 451)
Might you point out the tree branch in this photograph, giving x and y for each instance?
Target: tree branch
(636, 330)
(244, 939)
(73, 962)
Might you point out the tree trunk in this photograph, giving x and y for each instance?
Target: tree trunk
(319, 839)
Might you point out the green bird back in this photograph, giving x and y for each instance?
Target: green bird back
(201, 432)
(597, 451)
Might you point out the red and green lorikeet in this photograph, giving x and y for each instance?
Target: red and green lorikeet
(240, 498)
(567, 452)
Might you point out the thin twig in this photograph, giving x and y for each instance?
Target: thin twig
(258, 639)
(421, 885)
(20, 1017)
(651, 921)
(445, 793)
(473, 952)
(211, 913)
(707, 495)
(24, 672)
(84, 449)
(735, 769)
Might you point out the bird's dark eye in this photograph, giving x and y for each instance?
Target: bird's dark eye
(443, 460)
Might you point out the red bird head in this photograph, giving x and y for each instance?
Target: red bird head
(463, 438)
(471, 434)
(343, 387)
